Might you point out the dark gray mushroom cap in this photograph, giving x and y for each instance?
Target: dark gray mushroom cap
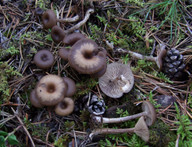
(34, 100)
(57, 34)
(150, 116)
(71, 87)
(44, 59)
(72, 38)
(49, 19)
(64, 53)
(118, 79)
(85, 57)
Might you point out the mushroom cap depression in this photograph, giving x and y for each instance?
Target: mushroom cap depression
(85, 57)
(57, 34)
(49, 19)
(141, 129)
(44, 59)
(72, 38)
(34, 100)
(71, 87)
(65, 107)
(150, 116)
(118, 79)
(64, 53)
(50, 90)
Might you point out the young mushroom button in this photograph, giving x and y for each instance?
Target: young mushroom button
(85, 57)
(49, 19)
(118, 79)
(148, 113)
(72, 38)
(44, 59)
(64, 53)
(71, 87)
(50, 90)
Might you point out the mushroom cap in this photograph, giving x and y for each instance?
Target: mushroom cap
(44, 59)
(71, 87)
(72, 38)
(50, 90)
(65, 107)
(64, 53)
(49, 19)
(141, 129)
(150, 116)
(57, 34)
(118, 79)
(34, 100)
(85, 57)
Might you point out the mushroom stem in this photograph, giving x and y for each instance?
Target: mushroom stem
(104, 120)
(78, 25)
(148, 113)
(140, 129)
(73, 19)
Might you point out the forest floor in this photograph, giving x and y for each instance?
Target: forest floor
(122, 28)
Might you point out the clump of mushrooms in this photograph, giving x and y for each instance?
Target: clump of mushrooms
(148, 113)
(117, 79)
(52, 90)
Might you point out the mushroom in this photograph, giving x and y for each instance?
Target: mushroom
(64, 53)
(99, 73)
(50, 90)
(49, 19)
(34, 100)
(71, 88)
(72, 38)
(57, 34)
(158, 60)
(148, 113)
(118, 79)
(44, 59)
(65, 107)
(85, 57)
(140, 129)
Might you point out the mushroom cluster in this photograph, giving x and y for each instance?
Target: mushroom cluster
(52, 90)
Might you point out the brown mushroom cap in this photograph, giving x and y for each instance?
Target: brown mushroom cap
(100, 73)
(71, 87)
(49, 19)
(57, 34)
(34, 100)
(64, 53)
(72, 38)
(65, 107)
(118, 79)
(150, 116)
(85, 57)
(160, 56)
(44, 59)
(50, 90)
(141, 129)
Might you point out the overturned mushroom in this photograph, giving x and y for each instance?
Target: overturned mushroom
(85, 57)
(65, 107)
(49, 19)
(44, 59)
(57, 34)
(140, 129)
(71, 87)
(50, 90)
(118, 79)
(148, 113)
(72, 38)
